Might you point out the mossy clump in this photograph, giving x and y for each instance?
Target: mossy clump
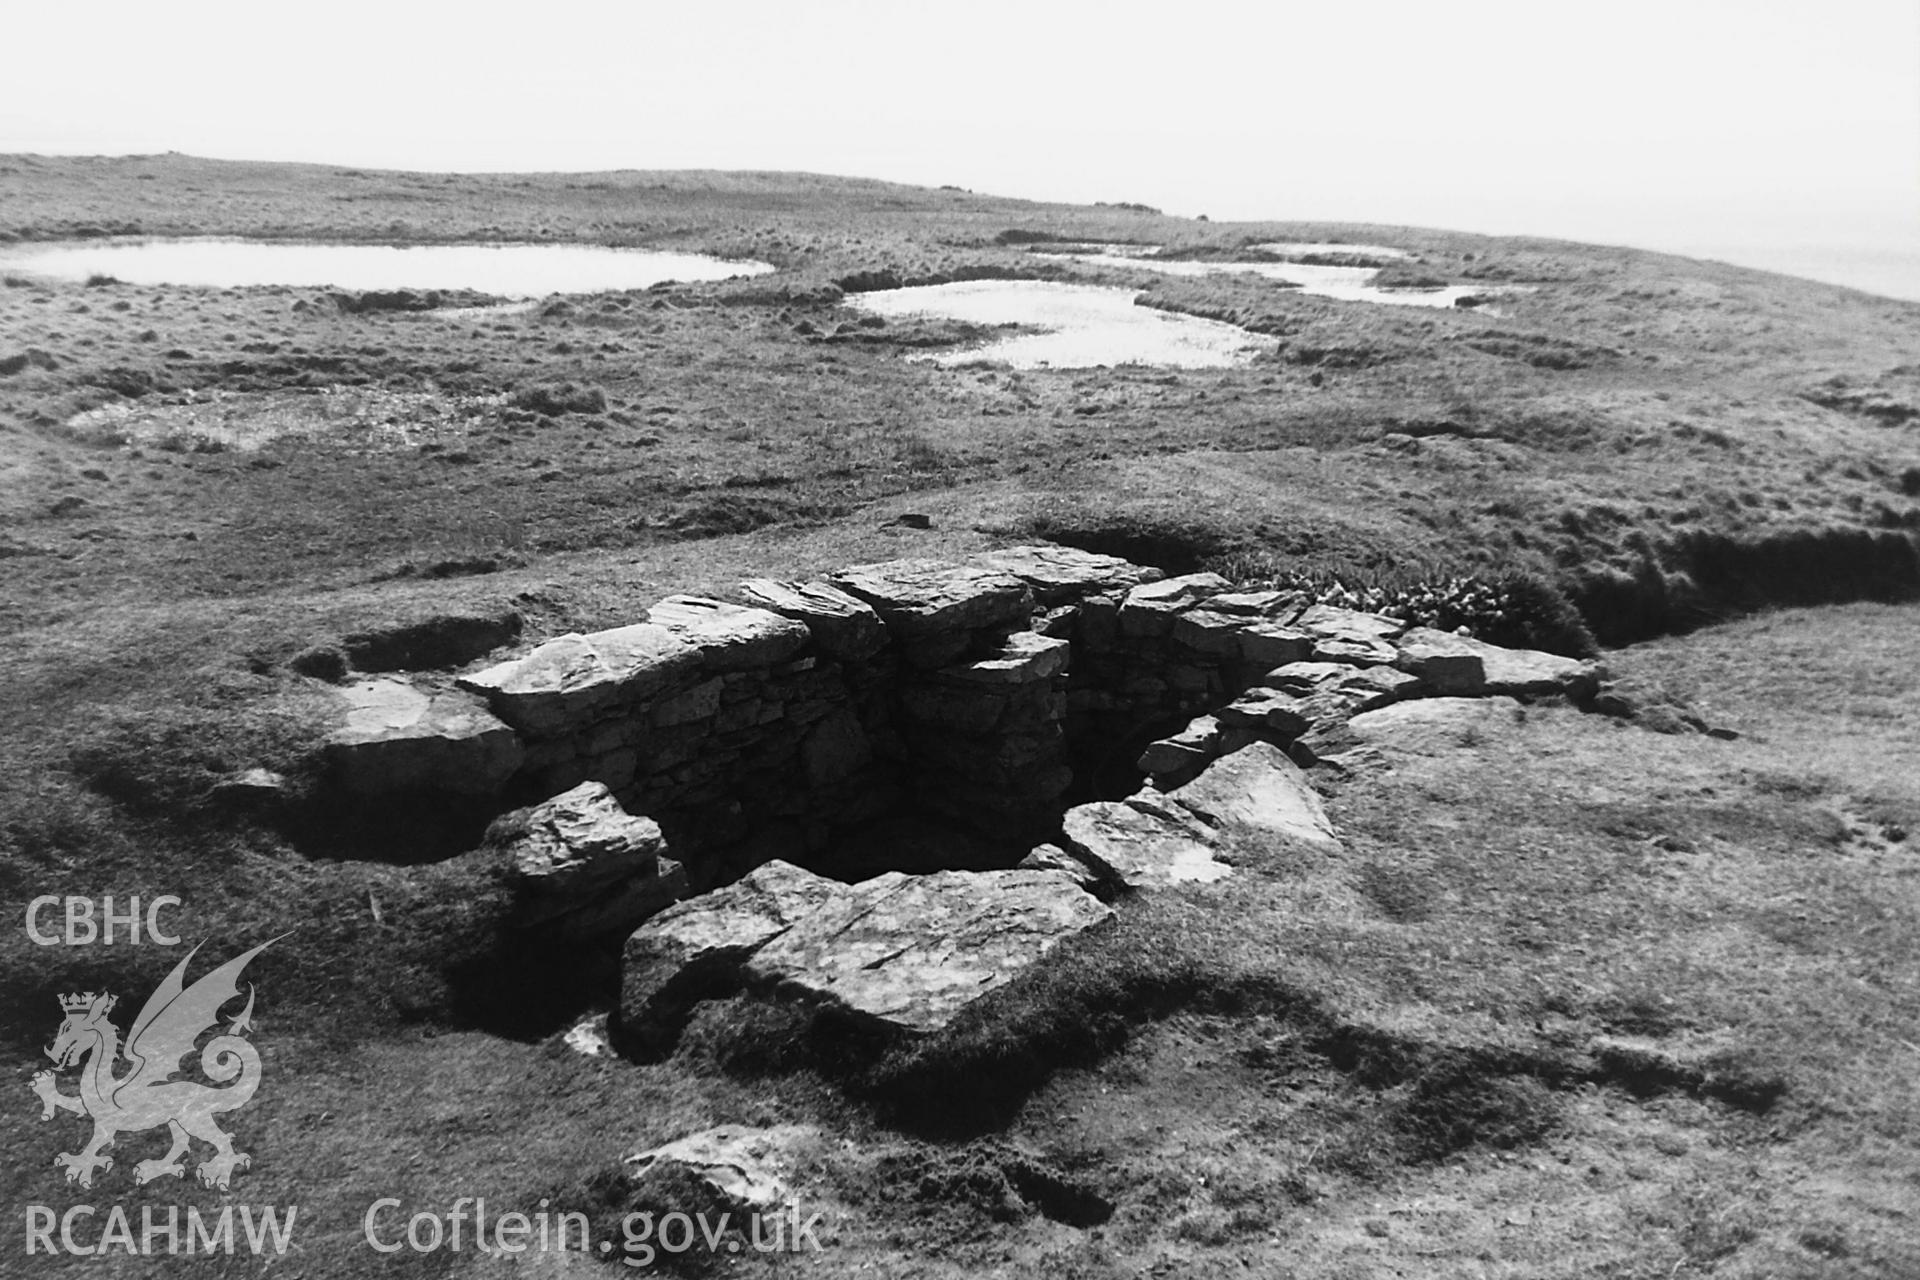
(1452, 1108)
(1513, 609)
(556, 399)
(321, 662)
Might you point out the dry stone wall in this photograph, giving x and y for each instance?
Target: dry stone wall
(759, 730)
(971, 693)
(751, 737)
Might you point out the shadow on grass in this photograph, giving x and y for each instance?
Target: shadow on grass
(1095, 994)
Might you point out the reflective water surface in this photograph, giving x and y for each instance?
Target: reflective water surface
(1085, 325)
(505, 270)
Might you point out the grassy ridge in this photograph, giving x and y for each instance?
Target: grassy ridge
(1607, 428)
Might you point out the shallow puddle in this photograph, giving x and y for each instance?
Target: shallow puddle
(1084, 326)
(487, 311)
(503, 270)
(358, 419)
(1345, 283)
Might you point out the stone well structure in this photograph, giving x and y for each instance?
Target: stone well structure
(988, 698)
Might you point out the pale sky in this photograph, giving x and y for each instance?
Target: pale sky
(1711, 126)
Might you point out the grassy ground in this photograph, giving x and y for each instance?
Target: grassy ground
(1630, 402)
(1580, 1000)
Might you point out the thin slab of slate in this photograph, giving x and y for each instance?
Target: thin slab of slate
(566, 681)
(843, 626)
(400, 738)
(1258, 790)
(695, 948)
(1436, 726)
(730, 637)
(917, 598)
(909, 953)
(1511, 672)
(1060, 575)
(1140, 849)
(583, 867)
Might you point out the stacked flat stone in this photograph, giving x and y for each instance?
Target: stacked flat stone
(1172, 649)
(762, 730)
(395, 738)
(1352, 663)
(583, 868)
(757, 730)
(722, 721)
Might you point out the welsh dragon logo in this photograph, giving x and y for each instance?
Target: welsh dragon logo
(147, 1096)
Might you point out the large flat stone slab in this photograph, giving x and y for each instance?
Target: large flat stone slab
(1150, 610)
(1273, 711)
(1140, 849)
(695, 948)
(1271, 644)
(731, 637)
(581, 838)
(918, 598)
(1022, 658)
(398, 738)
(1365, 687)
(1347, 624)
(1359, 653)
(1182, 755)
(1512, 672)
(1062, 575)
(1436, 726)
(1449, 664)
(751, 1168)
(567, 680)
(909, 953)
(1349, 635)
(376, 707)
(1312, 719)
(584, 866)
(1051, 857)
(1207, 631)
(1273, 604)
(1257, 790)
(843, 626)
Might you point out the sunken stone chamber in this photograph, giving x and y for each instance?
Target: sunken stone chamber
(912, 715)
(811, 748)
(772, 729)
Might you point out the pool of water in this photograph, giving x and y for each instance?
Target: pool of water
(504, 270)
(1345, 283)
(361, 420)
(1084, 326)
